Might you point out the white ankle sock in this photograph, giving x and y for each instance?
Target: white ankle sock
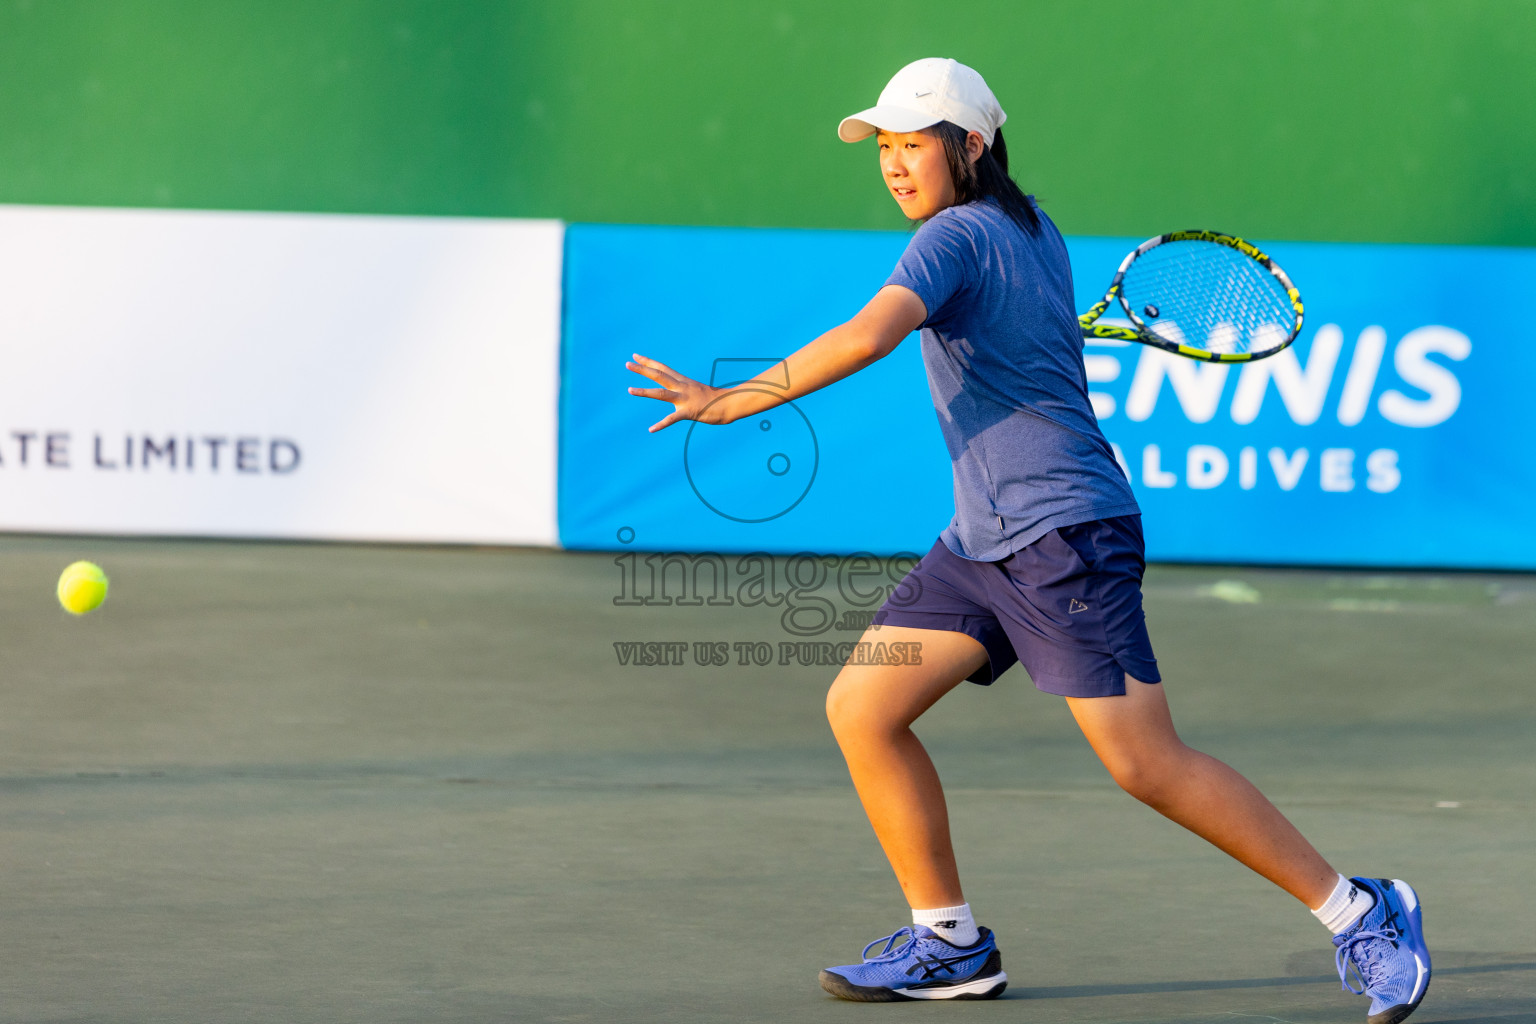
(1347, 905)
(954, 925)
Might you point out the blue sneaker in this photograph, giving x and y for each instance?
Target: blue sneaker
(1386, 950)
(917, 964)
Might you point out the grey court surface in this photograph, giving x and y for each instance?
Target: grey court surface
(331, 783)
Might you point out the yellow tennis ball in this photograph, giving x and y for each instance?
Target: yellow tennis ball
(82, 588)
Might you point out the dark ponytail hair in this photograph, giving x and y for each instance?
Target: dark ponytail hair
(987, 178)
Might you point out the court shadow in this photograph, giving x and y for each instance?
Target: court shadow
(1213, 985)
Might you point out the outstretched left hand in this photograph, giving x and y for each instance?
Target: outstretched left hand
(690, 399)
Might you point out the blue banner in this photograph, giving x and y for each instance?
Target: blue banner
(1393, 433)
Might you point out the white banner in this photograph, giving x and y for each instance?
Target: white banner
(278, 375)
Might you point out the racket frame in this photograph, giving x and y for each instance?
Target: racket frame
(1145, 335)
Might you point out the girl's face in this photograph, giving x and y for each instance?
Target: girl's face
(916, 171)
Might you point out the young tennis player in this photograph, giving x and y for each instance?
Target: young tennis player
(1042, 563)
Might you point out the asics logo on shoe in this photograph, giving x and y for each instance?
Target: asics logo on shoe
(1392, 922)
(932, 965)
(1391, 926)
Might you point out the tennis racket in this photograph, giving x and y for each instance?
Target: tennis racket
(1204, 295)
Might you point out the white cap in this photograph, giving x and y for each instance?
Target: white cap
(924, 93)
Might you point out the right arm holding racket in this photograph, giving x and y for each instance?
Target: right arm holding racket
(879, 327)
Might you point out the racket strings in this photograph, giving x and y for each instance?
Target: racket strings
(1208, 296)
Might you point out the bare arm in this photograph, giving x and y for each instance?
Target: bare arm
(878, 328)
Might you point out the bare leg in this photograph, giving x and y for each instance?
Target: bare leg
(871, 709)
(1134, 737)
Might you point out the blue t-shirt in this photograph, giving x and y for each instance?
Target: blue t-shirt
(1005, 366)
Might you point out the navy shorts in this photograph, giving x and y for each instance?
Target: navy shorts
(1067, 607)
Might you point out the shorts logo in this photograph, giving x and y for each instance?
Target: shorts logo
(1076, 606)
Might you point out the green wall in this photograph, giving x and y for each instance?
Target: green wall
(1316, 119)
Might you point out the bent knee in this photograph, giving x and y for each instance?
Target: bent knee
(855, 709)
(844, 706)
(1152, 780)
